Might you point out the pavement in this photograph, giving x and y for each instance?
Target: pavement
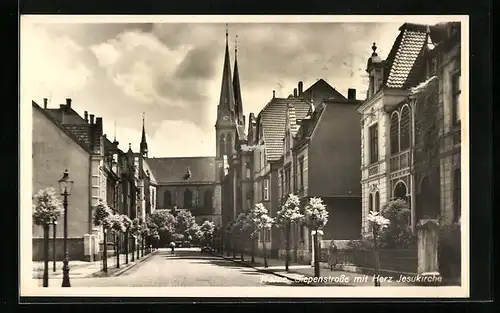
(304, 274)
(82, 269)
(188, 267)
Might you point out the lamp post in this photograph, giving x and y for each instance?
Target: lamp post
(54, 246)
(65, 186)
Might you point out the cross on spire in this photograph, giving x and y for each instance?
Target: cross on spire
(227, 32)
(236, 45)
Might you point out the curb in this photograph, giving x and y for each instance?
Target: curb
(121, 270)
(268, 271)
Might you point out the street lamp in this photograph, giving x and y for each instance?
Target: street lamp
(65, 186)
(54, 223)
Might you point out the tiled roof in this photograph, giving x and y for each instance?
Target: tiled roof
(173, 170)
(292, 119)
(273, 117)
(401, 64)
(62, 127)
(82, 132)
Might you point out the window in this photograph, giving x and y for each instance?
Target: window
(377, 202)
(167, 199)
(288, 180)
(373, 143)
(301, 172)
(229, 145)
(208, 199)
(295, 176)
(457, 201)
(370, 202)
(265, 189)
(455, 85)
(153, 197)
(188, 198)
(222, 145)
(404, 139)
(394, 133)
(282, 183)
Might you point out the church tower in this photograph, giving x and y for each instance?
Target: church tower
(144, 144)
(238, 104)
(225, 126)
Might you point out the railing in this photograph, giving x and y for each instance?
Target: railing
(373, 170)
(400, 161)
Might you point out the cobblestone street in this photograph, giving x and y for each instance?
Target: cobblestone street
(187, 268)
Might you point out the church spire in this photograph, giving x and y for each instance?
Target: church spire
(226, 103)
(144, 144)
(238, 109)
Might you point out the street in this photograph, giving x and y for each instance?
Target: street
(187, 268)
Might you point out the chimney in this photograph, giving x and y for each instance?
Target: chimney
(274, 94)
(351, 94)
(45, 100)
(295, 92)
(61, 106)
(86, 116)
(68, 103)
(91, 118)
(300, 88)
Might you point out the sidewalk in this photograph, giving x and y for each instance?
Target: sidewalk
(305, 273)
(82, 269)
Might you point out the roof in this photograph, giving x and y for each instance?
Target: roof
(402, 62)
(82, 132)
(321, 83)
(173, 170)
(273, 119)
(63, 128)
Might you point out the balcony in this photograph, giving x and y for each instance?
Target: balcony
(400, 161)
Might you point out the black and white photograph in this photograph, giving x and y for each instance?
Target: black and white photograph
(244, 156)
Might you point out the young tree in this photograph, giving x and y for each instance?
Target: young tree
(47, 209)
(101, 214)
(285, 217)
(237, 230)
(163, 222)
(398, 233)
(376, 223)
(186, 225)
(117, 227)
(315, 218)
(207, 229)
(135, 231)
(127, 223)
(262, 224)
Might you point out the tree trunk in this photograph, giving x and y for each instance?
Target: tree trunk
(133, 248)
(377, 260)
(126, 247)
(317, 255)
(142, 246)
(105, 252)
(253, 250)
(234, 252)
(287, 246)
(136, 244)
(117, 240)
(46, 255)
(264, 252)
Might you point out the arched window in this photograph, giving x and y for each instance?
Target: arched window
(405, 128)
(167, 199)
(222, 145)
(370, 202)
(377, 201)
(457, 200)
(188, 198)
(208, 199)
(400, 191)
(229, 144)
(394, 133)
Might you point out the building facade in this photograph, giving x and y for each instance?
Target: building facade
(391, 159)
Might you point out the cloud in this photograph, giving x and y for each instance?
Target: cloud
(150, 72)
(170, 139)
(51, 66)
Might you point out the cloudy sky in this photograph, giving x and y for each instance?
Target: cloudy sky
(172, 71)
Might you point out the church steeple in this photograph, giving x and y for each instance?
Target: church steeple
(144, 144)
(238, 108)
(226, 108)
